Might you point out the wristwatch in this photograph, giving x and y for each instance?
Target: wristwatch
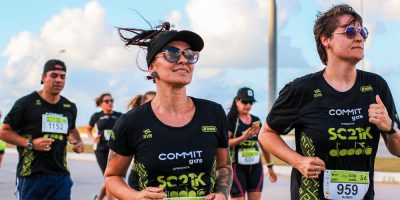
(394, 128)
(29, 145)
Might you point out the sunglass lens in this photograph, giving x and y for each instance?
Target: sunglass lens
(172, 54)
(191, 56)
(364, 32)
(350, 32)
(247, 102)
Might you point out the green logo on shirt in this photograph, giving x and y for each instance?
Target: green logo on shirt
(147, 134)
(367, 88)
(209, 129)
(317, 93)
(38, 102)
(67, 105)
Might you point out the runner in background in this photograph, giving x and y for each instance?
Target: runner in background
(40, 124)
(3, 144)
(180, 143)
(141, 99)
(103, 120)
(247, 167)
(338, 115)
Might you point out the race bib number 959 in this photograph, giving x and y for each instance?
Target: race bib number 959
(54, 124)
(342, 184)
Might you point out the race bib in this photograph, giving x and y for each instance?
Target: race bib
(54, 124)
(248, 156)
(107, 134)
(342, 184)
(185, 198)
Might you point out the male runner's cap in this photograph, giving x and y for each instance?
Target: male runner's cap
(53, 65)
(246, 94)
(162, 39)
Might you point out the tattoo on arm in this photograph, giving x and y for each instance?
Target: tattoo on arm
(112, 155)
(224, 178)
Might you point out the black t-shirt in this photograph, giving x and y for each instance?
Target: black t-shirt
(104, 124)
(33, 117)
(248, 146)
(332, 125)
(182, 160)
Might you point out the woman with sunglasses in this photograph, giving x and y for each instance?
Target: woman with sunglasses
(247, 167)
(338, 115)
(103, 121)
(179, 143)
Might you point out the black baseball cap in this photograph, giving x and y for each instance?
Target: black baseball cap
(246, 94)
(53, 64)
(161, 40)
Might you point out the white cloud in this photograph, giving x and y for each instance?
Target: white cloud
(372, 10)
(235, 32)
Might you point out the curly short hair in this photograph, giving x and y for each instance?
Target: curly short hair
(327, 22)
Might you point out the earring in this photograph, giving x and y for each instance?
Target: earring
(154, 74)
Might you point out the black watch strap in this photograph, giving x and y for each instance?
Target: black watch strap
(394, 128)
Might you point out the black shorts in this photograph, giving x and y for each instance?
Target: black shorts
(102, 157)
(247, 178)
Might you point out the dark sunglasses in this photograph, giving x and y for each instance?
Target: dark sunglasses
(246, 102)
(173, 54)
(351, 32)
(108, 101)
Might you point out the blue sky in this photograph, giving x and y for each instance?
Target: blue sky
(235, 54)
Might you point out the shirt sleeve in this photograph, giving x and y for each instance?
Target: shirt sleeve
(93, 119)
(121, 137)
(74, 114)
(284, 112)
(223, 132)
(15, 117)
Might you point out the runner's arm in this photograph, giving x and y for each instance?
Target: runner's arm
(117, 167)
(8, 135)
(392, 142)
(272, 175)
(224, 175)
(272, 142)
(76, 140)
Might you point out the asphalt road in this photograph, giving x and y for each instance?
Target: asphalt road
(87, 180)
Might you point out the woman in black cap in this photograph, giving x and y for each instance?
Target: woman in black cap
(179, 143)
(247, 167)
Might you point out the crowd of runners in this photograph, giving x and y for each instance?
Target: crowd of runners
(175, 146)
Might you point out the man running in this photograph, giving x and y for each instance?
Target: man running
(40, 124)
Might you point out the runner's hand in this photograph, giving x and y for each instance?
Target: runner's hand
(150, 193)
(272, 175)
(78, 146)
(215, 196)
(96, 139)
(250, 132)
(379, 116)
(310, 167)
(42, 144)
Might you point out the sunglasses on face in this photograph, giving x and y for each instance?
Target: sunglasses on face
(351, 32)
(108, 101)
(246, 102)
(173, 54)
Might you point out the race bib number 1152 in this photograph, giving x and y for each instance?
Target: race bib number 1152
(54, 124)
